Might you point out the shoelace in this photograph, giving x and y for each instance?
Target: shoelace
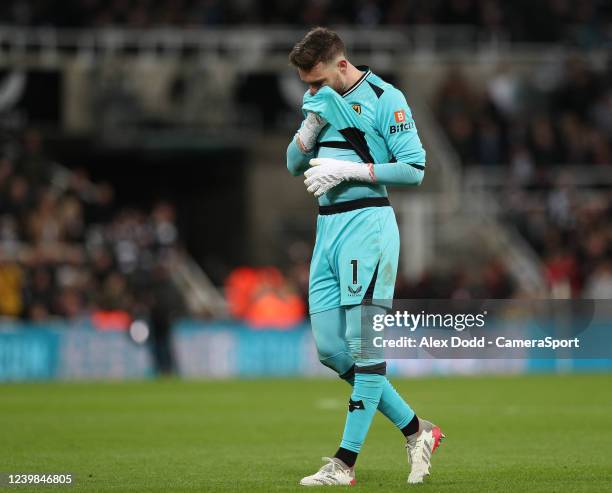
(327, 471)
(331, 465)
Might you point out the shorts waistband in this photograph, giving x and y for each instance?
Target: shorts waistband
(351, 205)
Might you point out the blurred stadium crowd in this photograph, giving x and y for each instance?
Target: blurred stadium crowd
(67, 250)
(531, 125)
(559, 115)
(522, 20)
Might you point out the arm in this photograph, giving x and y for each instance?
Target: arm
(297, 161)
(301, 147)
(395, 123)
(325, 173)
(399, 174)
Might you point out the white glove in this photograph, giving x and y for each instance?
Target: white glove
(308, 133)
(326, 173)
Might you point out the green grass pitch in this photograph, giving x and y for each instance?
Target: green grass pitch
(524, 433)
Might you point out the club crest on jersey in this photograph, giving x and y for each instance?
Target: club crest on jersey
(400, 116)
(357, 108)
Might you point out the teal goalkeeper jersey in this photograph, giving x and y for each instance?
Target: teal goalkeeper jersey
(370, 123)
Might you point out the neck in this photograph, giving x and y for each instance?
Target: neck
(353, 74)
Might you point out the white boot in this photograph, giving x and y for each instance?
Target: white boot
(420, 447)
(334, 473)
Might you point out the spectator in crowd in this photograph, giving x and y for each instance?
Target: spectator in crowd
(66, 250)
(543, 21)
(512, 120)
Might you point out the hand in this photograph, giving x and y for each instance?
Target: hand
(309, 131)
(326, 173)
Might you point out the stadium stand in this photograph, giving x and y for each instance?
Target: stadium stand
(551, 21)
(67, 250)
(535, 127)
(560, 115)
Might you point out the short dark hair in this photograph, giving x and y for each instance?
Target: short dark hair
(319, 45)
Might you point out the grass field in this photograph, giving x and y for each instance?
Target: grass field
(528, 434)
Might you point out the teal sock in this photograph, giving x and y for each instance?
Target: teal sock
(391, 404)
(329, 331)
(362, 407)
(394, 407)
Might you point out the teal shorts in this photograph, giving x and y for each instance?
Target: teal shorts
(355, 258)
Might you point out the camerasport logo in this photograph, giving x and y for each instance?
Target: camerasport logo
(400, 116)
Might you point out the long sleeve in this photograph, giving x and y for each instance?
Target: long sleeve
(297, 162)
(395, 123)
(399, 174)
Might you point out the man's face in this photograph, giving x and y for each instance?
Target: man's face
(332, 74)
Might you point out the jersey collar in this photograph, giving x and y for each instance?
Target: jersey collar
(366, 71)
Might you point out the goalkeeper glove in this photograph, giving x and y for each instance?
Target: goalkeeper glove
(309, 131)
(326, 173)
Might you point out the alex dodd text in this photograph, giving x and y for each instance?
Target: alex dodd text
(474, 342)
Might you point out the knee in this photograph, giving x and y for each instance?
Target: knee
(328, 350)
(328, 330)
(329, 346)
(338, 359)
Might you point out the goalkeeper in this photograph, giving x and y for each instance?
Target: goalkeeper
(357, 136)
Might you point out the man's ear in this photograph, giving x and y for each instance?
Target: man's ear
(342, 64)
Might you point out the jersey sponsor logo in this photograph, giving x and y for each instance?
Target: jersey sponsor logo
(400, 116)
(354, 291)
(357, 108)
(401, 127)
